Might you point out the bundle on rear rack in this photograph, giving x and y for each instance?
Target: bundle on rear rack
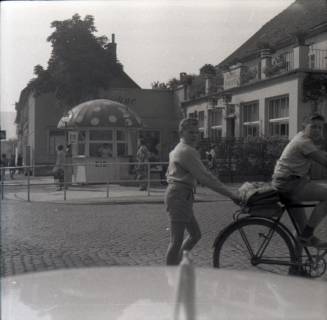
(260, 199)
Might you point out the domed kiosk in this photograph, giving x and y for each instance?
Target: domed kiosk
(103, 137)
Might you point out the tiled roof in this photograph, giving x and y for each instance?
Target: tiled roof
(123, 80)
(300, 17)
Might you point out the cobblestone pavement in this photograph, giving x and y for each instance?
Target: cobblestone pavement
(43, 236)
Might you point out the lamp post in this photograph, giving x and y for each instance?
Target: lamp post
(67, 164)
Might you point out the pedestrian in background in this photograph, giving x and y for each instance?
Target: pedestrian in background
(3, 164)
(12, 164)
(58, 170)
(211, 158)
(142, 156)
(20, 163)
(184, 169)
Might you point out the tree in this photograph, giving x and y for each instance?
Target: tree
(158, 85)
(79, 65)
(208, 69)
(315, 88)
(173, 83)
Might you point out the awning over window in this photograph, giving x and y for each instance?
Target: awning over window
(100, 113)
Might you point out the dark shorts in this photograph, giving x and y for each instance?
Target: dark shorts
(289, 186)
(179, 202)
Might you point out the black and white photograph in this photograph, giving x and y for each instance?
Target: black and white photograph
(163, 159)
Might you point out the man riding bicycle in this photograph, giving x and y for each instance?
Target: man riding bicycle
(291, 178)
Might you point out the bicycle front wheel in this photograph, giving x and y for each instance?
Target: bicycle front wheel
(254, 244)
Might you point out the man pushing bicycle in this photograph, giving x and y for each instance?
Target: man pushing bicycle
(291, 178)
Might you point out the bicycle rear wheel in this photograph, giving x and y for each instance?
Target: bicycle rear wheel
(254, 244)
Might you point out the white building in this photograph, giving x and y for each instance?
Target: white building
(272, 81)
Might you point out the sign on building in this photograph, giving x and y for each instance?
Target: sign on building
(72, 137)
(232, 78)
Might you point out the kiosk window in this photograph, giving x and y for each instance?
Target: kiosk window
(81, 143)
(122, 148)
(101, 150)
(97, 135)
(101, 143)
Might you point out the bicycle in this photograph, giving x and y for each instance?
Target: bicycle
(267, 243)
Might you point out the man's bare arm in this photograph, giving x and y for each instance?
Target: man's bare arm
(319, 156)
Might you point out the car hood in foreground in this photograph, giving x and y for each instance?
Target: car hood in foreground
(122, 293)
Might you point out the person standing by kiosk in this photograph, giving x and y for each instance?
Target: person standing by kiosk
(142, 157)
(58, 170)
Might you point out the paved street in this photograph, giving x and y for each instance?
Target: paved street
(40, 236)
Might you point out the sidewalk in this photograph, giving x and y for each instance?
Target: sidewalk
(43, 190)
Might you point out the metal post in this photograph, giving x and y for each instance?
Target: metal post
(149, 178)
(28, 184)
(2, 183)
(107, 189)
(65, 191)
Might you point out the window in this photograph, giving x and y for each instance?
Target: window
(152, 141)
(193, 115)
(101, 143)
(101, 135)
(81, 143)
(201, 119)
(215, 119)
(278, 116)
(56, 138)
(122, 144)
(312, 61)
(215, 132)
(278, 108)
(251, 130)
(250, 119)
(279, 129)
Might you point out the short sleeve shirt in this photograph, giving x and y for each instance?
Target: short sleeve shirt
(294, 159)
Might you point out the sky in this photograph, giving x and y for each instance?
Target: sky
(156, 40)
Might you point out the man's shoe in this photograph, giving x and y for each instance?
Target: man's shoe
(312, 241)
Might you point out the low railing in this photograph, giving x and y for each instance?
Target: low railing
(150, 169)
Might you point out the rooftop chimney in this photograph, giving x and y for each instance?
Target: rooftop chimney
(112, 48)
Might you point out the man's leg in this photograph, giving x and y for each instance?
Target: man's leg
(314, 191)
(176, 240)
(142, 177)
(299, 216)
(61, 179)
(194, 236)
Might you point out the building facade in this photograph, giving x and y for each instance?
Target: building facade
(38, 117)
(269, 81)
